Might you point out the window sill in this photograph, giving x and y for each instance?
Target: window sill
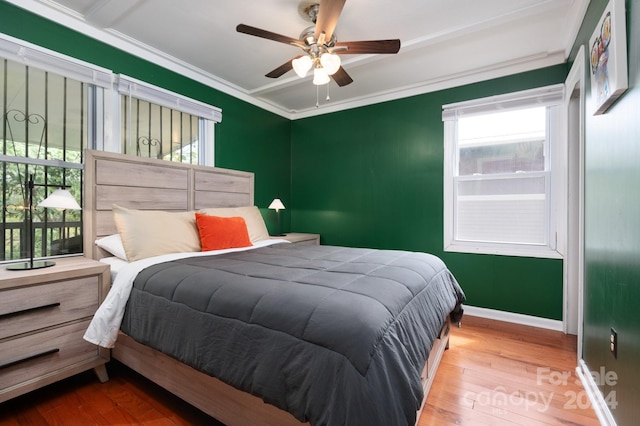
(504, 250)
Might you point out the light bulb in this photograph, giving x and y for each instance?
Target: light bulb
(320, 76)
(330, 62)
(302, 65)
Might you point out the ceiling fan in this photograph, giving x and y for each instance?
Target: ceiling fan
(320, 45)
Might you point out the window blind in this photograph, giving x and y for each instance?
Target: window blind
(47, 60)
(157, 95)
(545, 96)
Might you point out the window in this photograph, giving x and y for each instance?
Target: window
(159, 124)
(53, 107)
(151, 130)
(48, 106)
(503, 174)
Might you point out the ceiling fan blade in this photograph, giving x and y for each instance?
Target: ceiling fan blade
(258, 32)
(370, 46)
(328, 15)
(282, 69)
(342, 78)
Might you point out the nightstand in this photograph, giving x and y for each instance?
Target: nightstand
(43, 316)
(300, 238)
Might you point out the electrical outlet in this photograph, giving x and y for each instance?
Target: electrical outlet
(613, 343)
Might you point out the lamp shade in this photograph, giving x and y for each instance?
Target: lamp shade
(330, 62)
(320, 76)
(60, 199)
(302, 65)
(276, 204)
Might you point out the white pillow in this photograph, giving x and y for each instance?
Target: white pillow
(113, 244)
(251, 215)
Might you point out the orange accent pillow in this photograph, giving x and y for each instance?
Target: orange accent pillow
(217, 233)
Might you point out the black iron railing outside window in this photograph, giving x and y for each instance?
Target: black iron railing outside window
(43, 131)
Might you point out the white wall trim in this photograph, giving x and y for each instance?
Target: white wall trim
(573, 267)
(441, 83)
(513, 318)
(595, 396)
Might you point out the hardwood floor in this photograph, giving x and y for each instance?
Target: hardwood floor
(498, 373)
(494, 374)
(126, 399)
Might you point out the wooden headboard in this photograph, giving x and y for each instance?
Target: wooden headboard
(151, 184)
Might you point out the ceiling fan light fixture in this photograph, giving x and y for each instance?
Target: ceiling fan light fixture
(320, 44)
(302, 65)
(330, 62)
(320, 76)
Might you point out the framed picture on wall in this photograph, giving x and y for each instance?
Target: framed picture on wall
(608, 63)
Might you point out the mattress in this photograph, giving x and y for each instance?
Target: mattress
(333, 335)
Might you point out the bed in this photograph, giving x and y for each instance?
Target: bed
(323, 334)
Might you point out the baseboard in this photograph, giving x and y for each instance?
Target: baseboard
(513, 317)
(595, 396)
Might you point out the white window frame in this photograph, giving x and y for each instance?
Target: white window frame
(43, 59)
(550, 97)
(134, 88)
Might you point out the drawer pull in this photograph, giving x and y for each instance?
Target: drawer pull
(29, 358)
(34, 309)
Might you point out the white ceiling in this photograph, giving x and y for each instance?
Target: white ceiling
(445, 43)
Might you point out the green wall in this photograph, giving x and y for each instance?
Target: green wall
(612, 228)
(373, 177)
(248, 138)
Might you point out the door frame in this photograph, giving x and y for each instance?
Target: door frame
(573, 265)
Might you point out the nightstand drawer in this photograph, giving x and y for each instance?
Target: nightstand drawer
(36, 355)
(32, 308)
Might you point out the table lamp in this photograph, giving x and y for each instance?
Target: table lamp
(60, 199)
(277, 205)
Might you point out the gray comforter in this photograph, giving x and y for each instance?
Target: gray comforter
(334, 335)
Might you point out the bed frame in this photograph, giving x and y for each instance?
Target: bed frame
(142, 183)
